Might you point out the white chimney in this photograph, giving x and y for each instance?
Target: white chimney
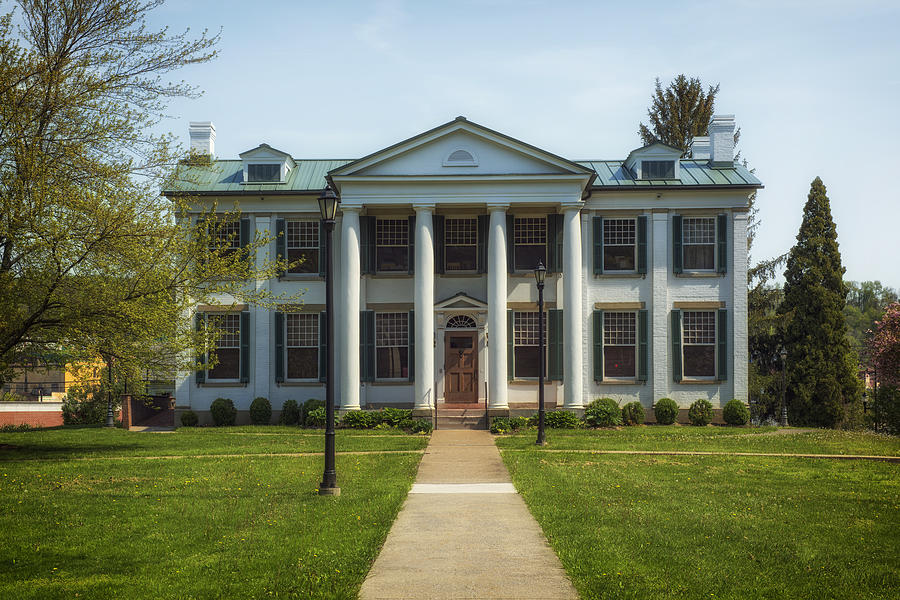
(700, 147)
(203, 137)
(721, 141)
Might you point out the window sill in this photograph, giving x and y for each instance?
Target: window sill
(700, 381)
(309, 383)
(533, 381)
(391, 275)
(460, 274)
(619, 382)
(222, 384)
(622, 275)
(385, 382)
(699, 274)
(523, 273)
(301, 277)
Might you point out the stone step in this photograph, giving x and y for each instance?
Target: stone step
(462, 421)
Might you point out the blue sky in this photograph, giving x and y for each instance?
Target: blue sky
(815, 87)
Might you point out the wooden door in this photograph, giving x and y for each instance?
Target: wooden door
(461, 367)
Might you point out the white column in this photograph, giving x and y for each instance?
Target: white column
(739, 307)
(659, 308)
(263, 375)
(573, 319)
(496, 300)
(424, 307)
(347, 322)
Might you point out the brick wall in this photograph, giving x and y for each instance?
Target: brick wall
(35, 414)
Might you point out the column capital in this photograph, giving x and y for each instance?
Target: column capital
(423, 206)
(567, 206)
(495, 206)
(354, 208)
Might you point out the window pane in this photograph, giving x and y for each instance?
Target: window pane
(618, 361)
(699, 361)
(392, 362)
(308, 260)
(530, 237)
(263, 172)
(392, 258)
(229, 366)
(461, 258)
(658, 169)
(527, 361)
(302, 363)
(528, 257)
(618, 258)
(699, 257)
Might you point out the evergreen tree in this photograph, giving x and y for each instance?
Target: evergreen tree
(679, 112)
(822, 387)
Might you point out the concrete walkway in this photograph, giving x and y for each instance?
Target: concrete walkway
(464, 532)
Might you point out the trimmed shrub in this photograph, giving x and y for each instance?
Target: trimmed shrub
(603, 412)
(735, 412)
(561, 419)
(395, 416)
(260, 411)
(290, 413)
(361, 419)
(666, 411)
(633, 413)
(511, 424)
(309, 406)
(420, 426)
(189, 419)
(20, 428)
(223, 412)
(316, 417)
(84, 405)
(700, 412)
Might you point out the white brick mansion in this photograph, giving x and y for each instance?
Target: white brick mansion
(436, 240)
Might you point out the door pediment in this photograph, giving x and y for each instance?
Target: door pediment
(460, 302)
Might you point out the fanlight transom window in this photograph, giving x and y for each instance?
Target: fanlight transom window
(460, 322)
(460, 158)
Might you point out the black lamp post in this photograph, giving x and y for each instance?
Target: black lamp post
(540, 272)
(110, 415)
(328, 202)
(783, 354)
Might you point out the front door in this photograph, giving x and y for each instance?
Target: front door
(461, 367)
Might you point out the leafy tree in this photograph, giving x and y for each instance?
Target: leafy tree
(679, 112)
(822, 387)
(764, 332)
(866, 303)
(885, 346)
(92, 258)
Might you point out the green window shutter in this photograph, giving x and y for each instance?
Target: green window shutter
(439, 266)
(510, 243)
(510, 345)
(554, 243)
(199, 322)
(483, 226)
(642, 244)
(598, 345)
(245, 238)
(643, 354)
(722, 339)
(367, 245)
(555, 338)
(281, 243)
(411, 341)
(411, 248)
(279, 346)
(722, 243)
(676, 244)
(598, 245)
(676, 344)
(323, 345)
(367, 345)
(245, 346)
(321, 249)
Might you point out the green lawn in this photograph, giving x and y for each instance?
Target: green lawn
(715, 527)
(209, 527)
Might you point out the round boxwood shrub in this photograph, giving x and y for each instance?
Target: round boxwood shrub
(260, 411)
(603, 412)
(223, 412)
(736, 413)
(189, 419)
(309, 406)
(633, 413)
(290, 413)
(316, 417)
(666, 411)
(700, 412)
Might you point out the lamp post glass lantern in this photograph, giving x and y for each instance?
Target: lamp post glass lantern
(328, 202)
(540, 272)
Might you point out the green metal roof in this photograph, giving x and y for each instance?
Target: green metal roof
(612, 174)
(225, 177)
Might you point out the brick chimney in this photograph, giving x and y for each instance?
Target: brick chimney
(203, 137)
(721, 141)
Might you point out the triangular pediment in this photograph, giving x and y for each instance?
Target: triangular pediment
(461, 147)
(460, 301)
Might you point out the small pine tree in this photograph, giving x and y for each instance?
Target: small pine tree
(822, 387)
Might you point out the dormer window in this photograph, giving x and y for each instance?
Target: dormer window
(460, 158)
(658, 169)
(264, 173)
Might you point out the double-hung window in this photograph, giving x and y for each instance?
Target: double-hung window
(392, 345)
(530, 236)
(302, 245)
(699, 343)
(263, 173)
(526, 350)
(392, 245)
(461, 245)
(302, 345)
(225, 237)
(699, 243)
(619, 245)
(619, 344)
(658, 169)
(228, 347)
